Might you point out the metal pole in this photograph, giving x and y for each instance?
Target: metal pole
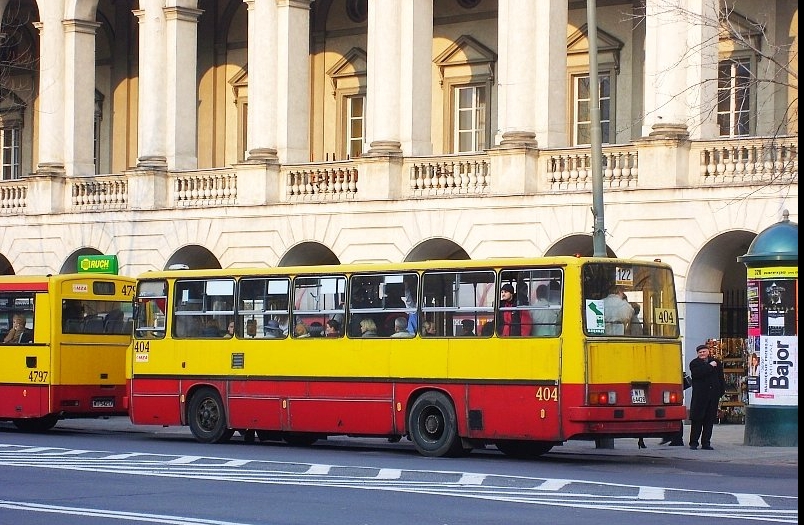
(599, 231)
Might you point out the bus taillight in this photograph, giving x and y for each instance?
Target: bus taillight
(602, 398)
(671, 397)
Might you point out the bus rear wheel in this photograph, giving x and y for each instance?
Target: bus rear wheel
(207, 417)
(37, 424)
(433, 427)
(522, 449)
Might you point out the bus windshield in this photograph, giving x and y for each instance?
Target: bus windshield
(629, 300)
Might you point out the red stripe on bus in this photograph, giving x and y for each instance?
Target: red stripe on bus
(23, 287)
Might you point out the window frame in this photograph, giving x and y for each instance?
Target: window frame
(575, 77)
(735, 61)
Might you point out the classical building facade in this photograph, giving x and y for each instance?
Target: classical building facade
(222, 133)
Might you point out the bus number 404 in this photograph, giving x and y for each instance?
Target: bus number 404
(37, 376)
(547, 393)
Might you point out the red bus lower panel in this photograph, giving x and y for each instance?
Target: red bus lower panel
(24, 401)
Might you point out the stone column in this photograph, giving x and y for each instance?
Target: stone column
(151, 126)
(262, 85)
(181, 87)
(293, 81)
(680, 69)
(383, 82)
(416, 77)
(79, 97)
(51, 90)
(532, 73)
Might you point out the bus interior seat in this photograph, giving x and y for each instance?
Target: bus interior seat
(93, 325)
(73, 326)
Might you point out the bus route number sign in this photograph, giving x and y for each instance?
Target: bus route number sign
(665, 316)
(141, 349)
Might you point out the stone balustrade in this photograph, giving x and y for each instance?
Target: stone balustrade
(98, 193)
(743, 161)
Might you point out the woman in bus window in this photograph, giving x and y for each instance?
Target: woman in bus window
(368, 328)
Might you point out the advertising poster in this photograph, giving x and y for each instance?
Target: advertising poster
(776, 379)
(772, 349)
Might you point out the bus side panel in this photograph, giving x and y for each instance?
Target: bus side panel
(23, 401)
(155, 401)
(513, 412)
(344, 408)
(259, 404)
(25, 378)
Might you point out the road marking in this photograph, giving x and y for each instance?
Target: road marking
(493, 487)
(100, 513)
(471, 479)
(651, 493)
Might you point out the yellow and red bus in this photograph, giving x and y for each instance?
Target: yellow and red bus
(71, 360)
(464, 369)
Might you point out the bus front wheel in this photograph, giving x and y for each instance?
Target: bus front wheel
(432, 426)
(207, 417)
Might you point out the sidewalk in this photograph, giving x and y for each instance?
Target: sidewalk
(727, 441)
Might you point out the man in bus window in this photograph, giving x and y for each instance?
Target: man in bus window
(510, 321)
(545, 319)
(19, 333)
(617, 311)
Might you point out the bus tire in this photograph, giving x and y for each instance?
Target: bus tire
(207, 417)
(37, 424)
(522, 449)
(432, 426)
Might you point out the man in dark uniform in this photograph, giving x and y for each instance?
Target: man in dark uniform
(708, 385)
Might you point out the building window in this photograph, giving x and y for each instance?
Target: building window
(733, 95)
(355, 126)
(10, 147)
(470, 118)
(581, 104)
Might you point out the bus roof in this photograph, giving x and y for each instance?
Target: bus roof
(498, 262)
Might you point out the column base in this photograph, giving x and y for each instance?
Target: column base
(152, 162)
(385, 148)
(262, 155)
(669, 131)
(767, 426)
(48, 169)
(519, 139)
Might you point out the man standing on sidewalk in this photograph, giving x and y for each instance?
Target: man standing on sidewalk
(708, 385)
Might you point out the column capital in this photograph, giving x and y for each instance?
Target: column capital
(184, 14)
(80, 26)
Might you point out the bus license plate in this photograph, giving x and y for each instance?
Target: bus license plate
(638, 396)
(105, 402)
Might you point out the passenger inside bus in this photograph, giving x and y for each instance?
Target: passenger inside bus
(401, 327)
(368, 328)
(19, 333)
(468, 327)
(545, 319)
